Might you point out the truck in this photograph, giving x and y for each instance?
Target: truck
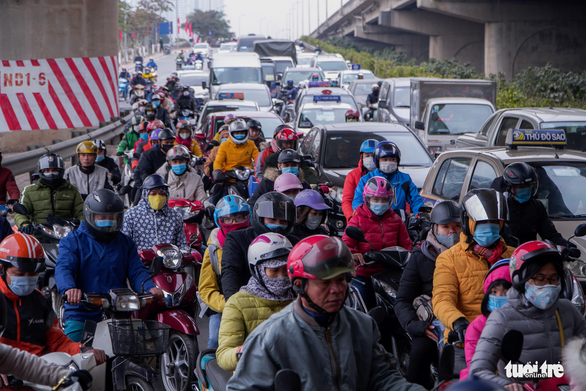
(233, 67)
(443, 109)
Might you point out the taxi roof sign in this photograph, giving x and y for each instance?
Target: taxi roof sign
(535, 137)
(327, 98)
(312, 84)
(231, 95)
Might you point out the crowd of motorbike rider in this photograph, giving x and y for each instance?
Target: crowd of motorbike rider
(275, 275)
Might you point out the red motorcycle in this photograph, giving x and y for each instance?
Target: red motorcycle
(178, 309)
(193, 214)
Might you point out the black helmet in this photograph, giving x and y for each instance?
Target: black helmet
(520, 174)
(254, 124)
(166, 134)
(150, 112)
(154, 181)
(482, 205)
(51, 160)
(289, 155)
(446, 212)
(103, 213)
(273, 205)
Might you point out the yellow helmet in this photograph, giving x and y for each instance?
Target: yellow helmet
(86, 147)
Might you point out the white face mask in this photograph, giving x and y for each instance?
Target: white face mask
(186, 93)
(313, 222)
(184, 136)
(388, 167)
(368, 163)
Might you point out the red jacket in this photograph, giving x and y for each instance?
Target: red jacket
(8, 185)
(386, 231)
(350, 185)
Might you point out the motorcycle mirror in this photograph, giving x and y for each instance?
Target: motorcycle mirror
(446, 363)
(20, 209)
(204, 85)
(378, 314)
(512, 346)
(124, 190)
(215, 143)
(287, 380)
(209, 147)
(123, 121)
(355, 233)
(580, 230)
(156, 265)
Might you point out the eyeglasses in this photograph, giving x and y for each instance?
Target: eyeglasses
(233, 219)
(541, 280)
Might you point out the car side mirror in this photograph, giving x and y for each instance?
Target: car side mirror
(512, 346)
(355, 233)
(20, 209)
(204, 85)
(156, 266)
(419, 125)
(580, 230)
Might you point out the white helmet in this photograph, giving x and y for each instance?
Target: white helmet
(268, 246)
(375, 87)
(238, 126)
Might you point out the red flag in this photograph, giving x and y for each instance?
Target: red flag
(120, 33)
(133, 35)
(197, 39)
(178, 26)
(185, 25)
(190, 33)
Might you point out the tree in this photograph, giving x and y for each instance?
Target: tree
(142, 21)
(204, 22)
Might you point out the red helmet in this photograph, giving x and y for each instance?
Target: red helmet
(156, 124)
(528, 253)
(24, 252)
(315, 77)
(319, 256)
(287, 134)
(352, 114)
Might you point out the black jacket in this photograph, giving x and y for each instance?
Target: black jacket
(302, 232)
(273, 159)
(186, 102)
(149, 162)
(137, 80)
(372, 98)
(163, 115)
(111, 166)
(235, 272)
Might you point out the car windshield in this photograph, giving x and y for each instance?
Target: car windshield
(268, 71)
(575, 133)
(268, 124)
(304, 60)
(321, 116)
(457, 118)
(561, 188)
(236, 75)
(332, 65)
(282, 65)
(227, 107)
(299, 76)
(227, 46)
(259, 96)
(200, 46)
(193, 80)
(308, 98)
(342, 149)
(362, 89)
(348, 78)
(402, 96)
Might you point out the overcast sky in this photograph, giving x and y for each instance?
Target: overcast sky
(273, 17)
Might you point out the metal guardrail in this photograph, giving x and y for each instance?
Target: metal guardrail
(27, 161)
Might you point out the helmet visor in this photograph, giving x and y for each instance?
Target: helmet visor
(486, 206)
(29, 265)
(50, 161)
(282, 210)
(326, 260)
(105, 222)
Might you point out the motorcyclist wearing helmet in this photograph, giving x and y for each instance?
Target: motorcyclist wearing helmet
(148, 139)
(186, 100)
(268, 291)
(31, 322)
(184, 182)
(86, 175)
(152, 221)
(272, 212)
(387, 158)
(417, 282)
(289, 162)
(352, 116)
(138, 79)
(365, 165)
(274, 148)
(185, 137)
(328, 344)
(223, 135)
(103, 160)
(372, 98)
(131, 136)
(51, 194)
(152, 64)
(255, 134)
(312, 213)
(288, 139)
(160, 112)
(382, 227)
(124, 74)
(527, 215)
(232, 213)
(534, 308)
(97, 257)
(459, 273)
(292, 91)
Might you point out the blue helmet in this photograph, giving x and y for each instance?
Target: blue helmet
(386, 149)
(290, 83)
(230, 204)
(368, 146)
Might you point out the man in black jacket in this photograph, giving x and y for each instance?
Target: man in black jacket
(273, 212)
(372, 98)
(162, 113)
(107, 162)
(186, 100)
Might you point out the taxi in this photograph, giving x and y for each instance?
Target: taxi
(325, 109)
(258, 93)
(561, 173)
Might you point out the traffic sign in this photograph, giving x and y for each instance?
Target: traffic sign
(355, 67)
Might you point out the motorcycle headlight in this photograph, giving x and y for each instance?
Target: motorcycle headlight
(242, 174)
(127, 303)
(336, 193)
(72, 367)
(185, 211)
(388, 289)
(49, 232)
(171, 257)
(61, 231)
(577, 267)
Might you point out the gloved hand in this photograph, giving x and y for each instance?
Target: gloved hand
(324, 189)
(417, 328)
(83, 377)
(575, 253)
(27, 229)
(459, 327)
(218, 176)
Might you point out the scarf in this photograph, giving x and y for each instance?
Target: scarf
(221, 238)
(273, 289)
(491, 254)
(180, 141)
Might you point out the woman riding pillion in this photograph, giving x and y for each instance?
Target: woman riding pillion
(312, 213)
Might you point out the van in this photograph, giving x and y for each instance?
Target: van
(234, 68)
(246, 42)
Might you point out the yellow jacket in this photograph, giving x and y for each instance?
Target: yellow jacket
(231, 155)
(242, 314)
(209, 289)
(458, 282)
(195, 149)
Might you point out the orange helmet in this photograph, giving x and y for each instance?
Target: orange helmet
(156, 124)
(24, 252)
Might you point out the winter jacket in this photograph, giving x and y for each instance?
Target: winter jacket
(40, 200)
(231, 155)
(109, 164)
(209, 287)
(186, 103)
(163, 115)
(528, 219)
(350, 184)
(150, 161)
(458, 282)
(88, 180)
(32, 324)
(310, 176)
(192, 145)
(302, 232)
(26, 366)
(7, 185)
(130, 138)
(260, 160)
(345, 356)
(382, 231)
(268, 184)
(187, 186)
(542, 338)
(242, 314)
(96, 267)
(208, 166)
(405, 190)
(235, 272)
(148, 227)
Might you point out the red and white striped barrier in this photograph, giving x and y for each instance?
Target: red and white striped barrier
(58, 93)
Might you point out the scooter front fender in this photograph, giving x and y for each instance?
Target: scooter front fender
(130, 366)
(179, 320)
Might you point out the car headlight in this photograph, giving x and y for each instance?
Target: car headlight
(173, 299)
(127, 303)
(242, 174)
(388, 289)
(336, 193)
(171, 256)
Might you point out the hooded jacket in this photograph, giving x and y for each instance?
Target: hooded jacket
(542, 338)
(130, 138)
(40, 200)
(7, 185)
(209, 287)
(96, 267)
(350, 184)
(345, 356)
(273, 159)
(208, 166)
(231, 155)
(268, 184)
(458, 282)
(32, 324)
(94, 178)
(188, 186)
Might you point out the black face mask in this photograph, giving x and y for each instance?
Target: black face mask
(166, 148)
(375, 92)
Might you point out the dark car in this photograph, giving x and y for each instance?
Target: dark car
(394, 100)
(360, 89)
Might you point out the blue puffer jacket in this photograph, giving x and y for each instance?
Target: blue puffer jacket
(96, 267)
(398, 179)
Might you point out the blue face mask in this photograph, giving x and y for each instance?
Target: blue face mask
(275, 227)
(179, 168)
(290, 170)
(105, 223)
(239, 136)
(495, 302)
(524, 194)
(100, 158)
(487, 234)
(156, 103)
(144, 136)
(222, 140)
(379, 209)
(542, 297)
(23, 286)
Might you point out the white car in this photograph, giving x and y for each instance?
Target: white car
(304, 59)
(227, 47)
(258, 93)
(226, 105)
(320, 113)
(331, 64)
(204, 48)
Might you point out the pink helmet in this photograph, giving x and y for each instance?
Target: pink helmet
(378, 187)
(287, 181)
